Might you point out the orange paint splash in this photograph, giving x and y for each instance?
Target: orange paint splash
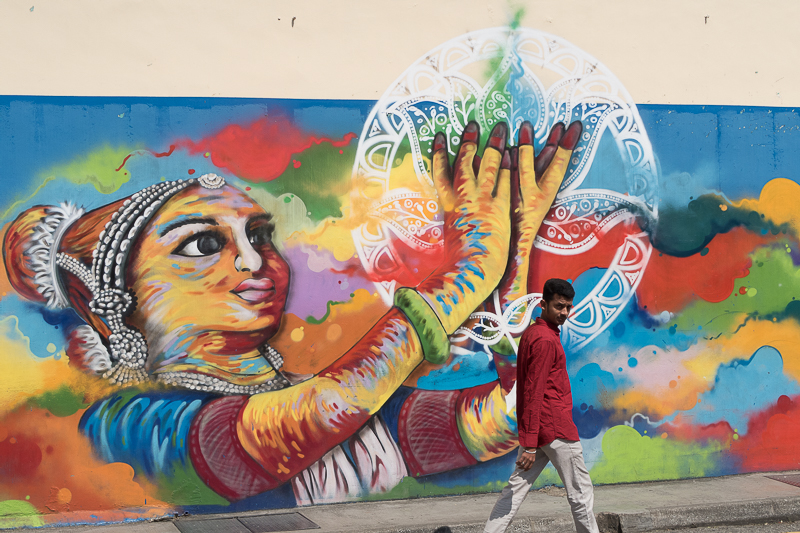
(316, 350)
(5, 285)
(58, 471)
(779, 201)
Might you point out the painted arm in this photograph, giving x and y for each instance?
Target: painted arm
(278, 434)
(288, 430)
(474, 424)
(445, 430)
(484, 424)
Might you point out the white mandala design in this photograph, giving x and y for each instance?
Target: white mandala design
(509, 75)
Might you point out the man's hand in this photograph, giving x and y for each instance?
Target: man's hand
(526, 460)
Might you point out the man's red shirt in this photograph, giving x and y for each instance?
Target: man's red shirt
(544, 397)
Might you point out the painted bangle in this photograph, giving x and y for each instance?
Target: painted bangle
(431, 333)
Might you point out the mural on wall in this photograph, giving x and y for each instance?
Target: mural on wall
(225, 304)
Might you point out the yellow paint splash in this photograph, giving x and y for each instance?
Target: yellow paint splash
(335, 235)
(24, 375)
(783, 336)
(779, 201)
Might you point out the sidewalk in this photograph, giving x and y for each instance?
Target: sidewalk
(637, 507)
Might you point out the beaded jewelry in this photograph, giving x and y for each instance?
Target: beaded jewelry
(111, 298)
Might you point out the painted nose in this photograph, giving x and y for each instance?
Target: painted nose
(248, 260)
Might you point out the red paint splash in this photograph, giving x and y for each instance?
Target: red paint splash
(771, 440)
(260, 151)
(545, 265)
(154, 154)
(123, 162)
(19, 457)
(671, 283)
(164, 154)
(691, 433)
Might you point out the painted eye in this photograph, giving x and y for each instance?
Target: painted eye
(201, 244)
(260, 235)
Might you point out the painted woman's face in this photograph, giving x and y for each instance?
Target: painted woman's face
(206, 264)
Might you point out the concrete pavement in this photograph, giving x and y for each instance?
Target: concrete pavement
(749, 498)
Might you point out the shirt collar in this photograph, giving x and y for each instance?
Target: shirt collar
(542, 322)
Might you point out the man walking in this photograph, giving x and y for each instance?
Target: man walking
(544, 417)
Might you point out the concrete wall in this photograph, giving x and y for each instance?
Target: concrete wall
(676, 221)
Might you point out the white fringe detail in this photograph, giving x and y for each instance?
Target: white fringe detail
(43, 251)
(95, 355)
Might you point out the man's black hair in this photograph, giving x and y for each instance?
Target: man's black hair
(557, 286)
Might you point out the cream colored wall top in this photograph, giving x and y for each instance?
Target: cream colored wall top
(669, 52)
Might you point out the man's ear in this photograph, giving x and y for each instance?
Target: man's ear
(542, 303)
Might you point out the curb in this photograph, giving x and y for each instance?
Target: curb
(722, 514)
(691, 516)
(517, 526)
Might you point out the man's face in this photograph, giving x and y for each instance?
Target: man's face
(556, 310)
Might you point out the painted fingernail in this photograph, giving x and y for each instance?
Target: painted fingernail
(570, 139)
(506, 162)
(514, 156)
(556, 133)
(526, 133)
(439, 142)
(497, 139)
(470, 133)
(544, 158)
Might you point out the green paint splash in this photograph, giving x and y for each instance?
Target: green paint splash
(495, 62)
(18, 513)
(184, 487)
(60, 402)
(98, 168)
(311, 320)
(629, 457)
(681, 232)
(519, 13)
(321, 180)
(776, 281)
(411, 487)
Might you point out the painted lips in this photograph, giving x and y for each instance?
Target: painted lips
(255, 290)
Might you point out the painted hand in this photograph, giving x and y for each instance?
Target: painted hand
(477, 225)
(535, 180)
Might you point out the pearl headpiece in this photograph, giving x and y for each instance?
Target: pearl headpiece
(111, 298)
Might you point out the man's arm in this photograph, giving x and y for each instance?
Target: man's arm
(538, 361)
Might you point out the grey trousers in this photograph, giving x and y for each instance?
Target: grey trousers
(567, 458)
